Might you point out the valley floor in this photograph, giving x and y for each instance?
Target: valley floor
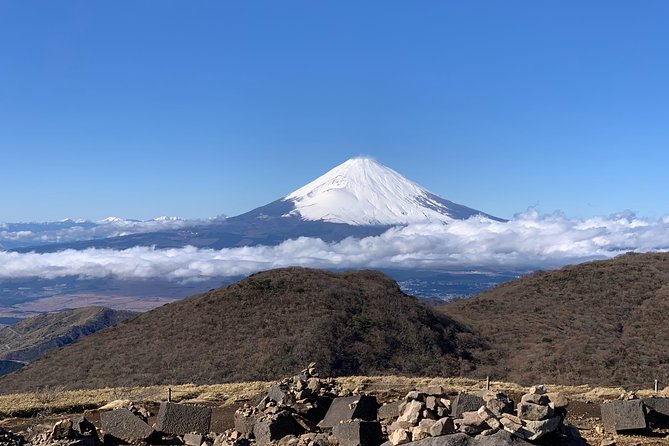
(19, 412)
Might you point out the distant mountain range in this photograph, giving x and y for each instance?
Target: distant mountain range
(358, 198)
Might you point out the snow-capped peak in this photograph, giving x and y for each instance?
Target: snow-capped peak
(362, 191)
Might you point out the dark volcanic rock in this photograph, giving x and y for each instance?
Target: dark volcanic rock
(358, 433)
(466, 402)
(124, 425)
(623, 415)
(268, 429)
(350, 408)
(181, 419)
(658, 411)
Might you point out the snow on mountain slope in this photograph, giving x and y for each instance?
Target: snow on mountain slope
(362, 191)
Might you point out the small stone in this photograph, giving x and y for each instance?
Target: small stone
(535, 399)
(400, 436)
(193, 439)
(433, 390)
(417, 433)
(431, 403)
(538, 390)
(415, 395)
(558, 399)
(62, 430)
(486, 415)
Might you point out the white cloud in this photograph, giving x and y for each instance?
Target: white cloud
(530, 241)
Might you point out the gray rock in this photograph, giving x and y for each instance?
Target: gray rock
(489, 418)
(499, 438)
(274, 428)
(535, 399)
(466, 402)
(437, 391)
(412, 412)
(443, 426)
(415, 395)
(349, 408)
(538, 429)
(193, 439)
(244, 423)
(533, 412)
(358, 433)
(458, 439)
(399, 436)
(124, 425)
(62, 430)
(180, 419)
(389, 411)
(279, 394)
(431, 403)
(625, 415)
(658, 412)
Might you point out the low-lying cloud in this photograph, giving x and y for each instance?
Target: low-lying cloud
(528, 242)
(16, 235)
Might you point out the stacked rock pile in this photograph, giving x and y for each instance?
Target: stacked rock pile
(291, 408)
(428, 413)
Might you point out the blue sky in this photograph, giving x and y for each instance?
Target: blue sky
(194, 109)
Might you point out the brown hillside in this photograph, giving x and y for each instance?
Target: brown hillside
(264, 327)
(33, 337)
(602, 323)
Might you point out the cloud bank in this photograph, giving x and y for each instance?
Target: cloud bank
(15, 235)
(528, 242)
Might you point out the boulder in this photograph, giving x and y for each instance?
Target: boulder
(275, 427)
(400, 436)
(466, 402)
(349, 408)
(412, 412)
(389, 411)
(458, 439)
(124, 425)
(499, 438)
(193, 439)
(538, 429)
(486, 415)
(62, 430)
(280, 394)
(658, 412)
(244, 422)
(442, 426)
(180, 419)
(533, 412)
(621, 415)
(358, 433)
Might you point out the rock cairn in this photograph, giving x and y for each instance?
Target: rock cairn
(428, 413)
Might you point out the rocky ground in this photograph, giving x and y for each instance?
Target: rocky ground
(420, 410)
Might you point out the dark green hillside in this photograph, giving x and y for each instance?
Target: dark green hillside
(264, 327)
(602, 323)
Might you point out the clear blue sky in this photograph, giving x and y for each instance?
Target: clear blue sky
(199, 108)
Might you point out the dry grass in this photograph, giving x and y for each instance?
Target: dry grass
(28, 404)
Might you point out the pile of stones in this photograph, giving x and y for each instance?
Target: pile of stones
(428, 413)
(305, 410)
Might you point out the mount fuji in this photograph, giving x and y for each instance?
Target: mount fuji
(358, 198)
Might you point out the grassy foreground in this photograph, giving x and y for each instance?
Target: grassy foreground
(56, 400)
